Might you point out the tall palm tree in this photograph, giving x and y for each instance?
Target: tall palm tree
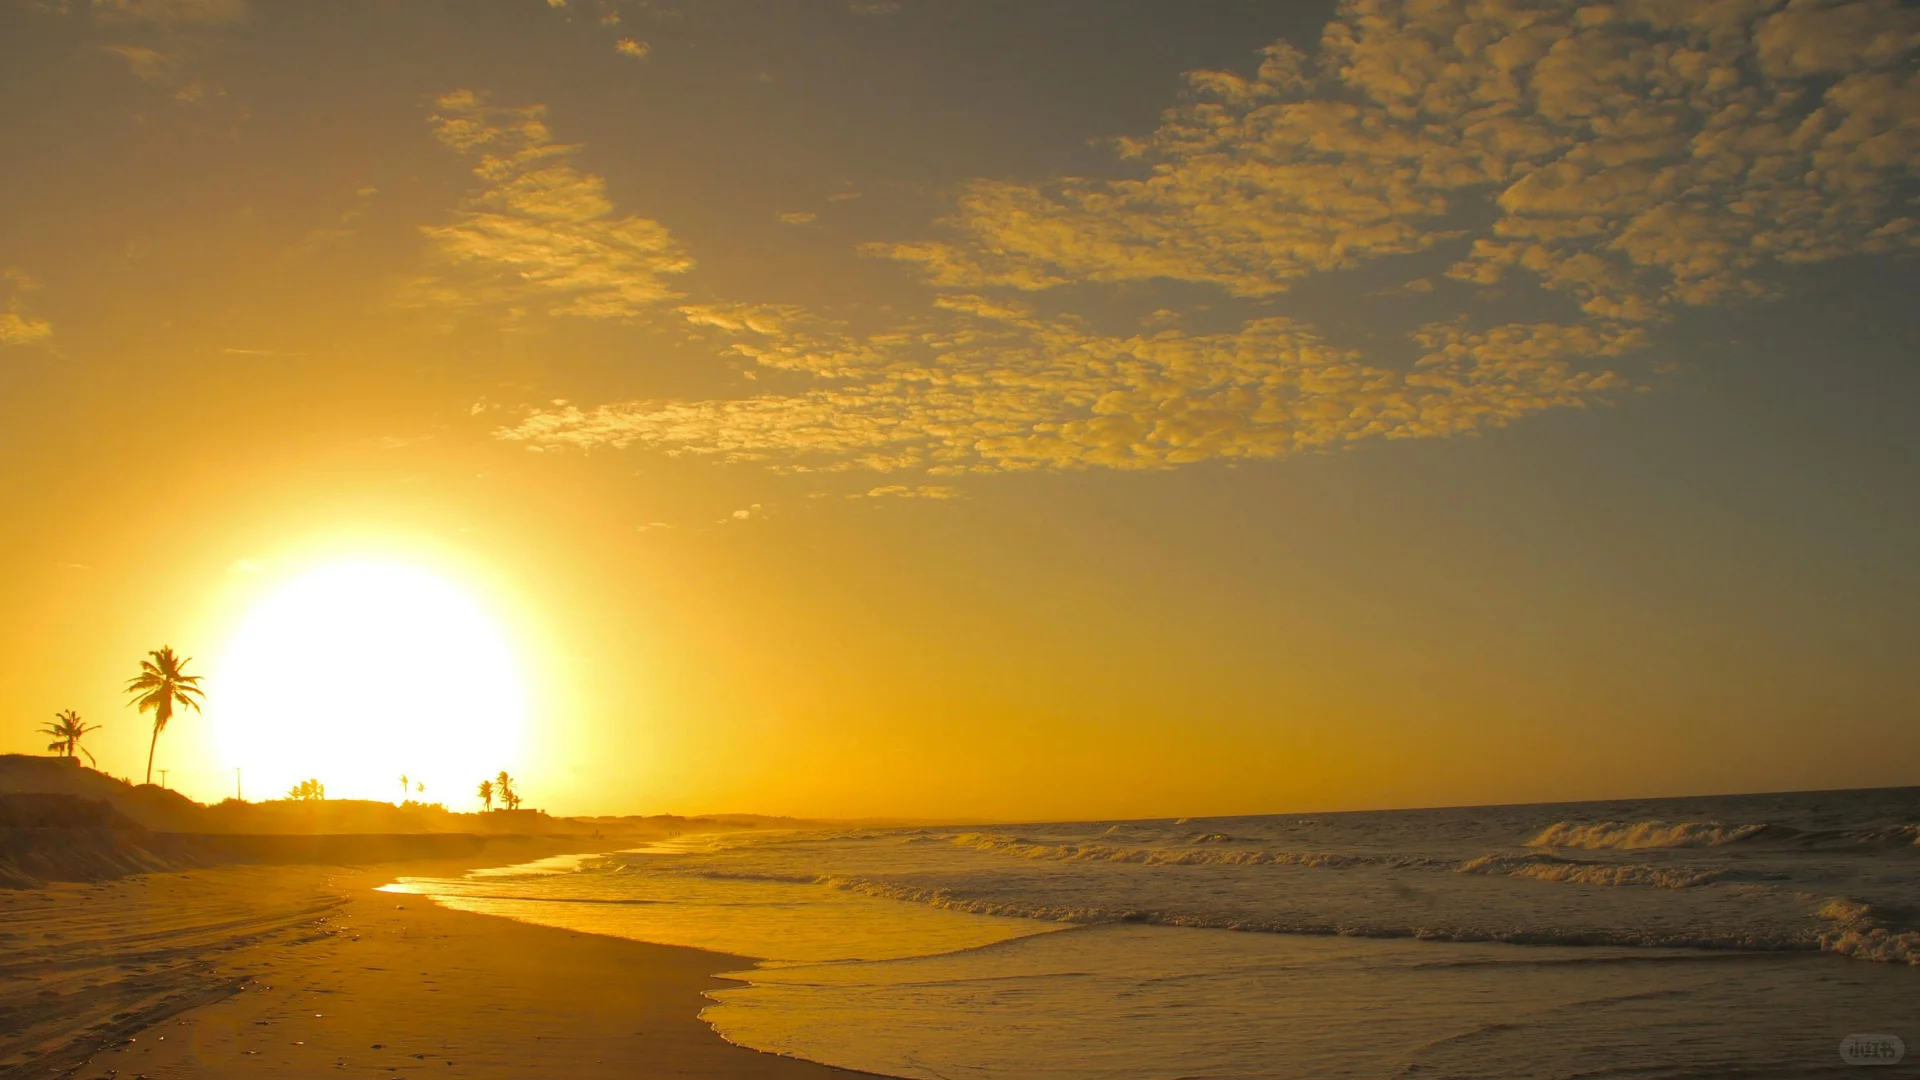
(486, 793)
(67, 731)
(162, 684)
(503, 787)
(403, 787)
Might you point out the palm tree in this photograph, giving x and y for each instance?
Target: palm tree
(486, 793)
(503, 786)
(403, 787)
(307, 791)
(67, 732)
(162, 684)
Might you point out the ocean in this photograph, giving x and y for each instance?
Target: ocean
(1743, 936)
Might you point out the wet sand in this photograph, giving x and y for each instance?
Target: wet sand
(308, 971)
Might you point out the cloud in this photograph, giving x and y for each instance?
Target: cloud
(1634, 156)
(18, 329)
(800, 217)
(1618, 161)
(144, 63)
(341, 229)
(629, 47)
(540, 231)
(16, 326)
(906, 491)
(987, 385)
(165, 12)
(395, 442)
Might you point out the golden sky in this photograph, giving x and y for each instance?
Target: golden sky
(989, 409)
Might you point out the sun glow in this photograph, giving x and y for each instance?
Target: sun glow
(359, 672)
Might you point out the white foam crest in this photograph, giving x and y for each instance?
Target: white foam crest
(1213, 856)
(1548, 868)
(1878, 944)
(1844, 910)
(1638, 835)
(941, 898)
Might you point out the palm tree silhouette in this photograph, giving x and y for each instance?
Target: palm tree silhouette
(486, 793)
(162, 684)
(403, 787)
(67, 731)
(503, 786)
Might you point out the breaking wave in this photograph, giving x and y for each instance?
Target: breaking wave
(1754, 940)
(1551, 868)
(1641, 835)
(1878, 943)
(1018, 848)
(1861, 936)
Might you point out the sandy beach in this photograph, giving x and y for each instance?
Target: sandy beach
(295, 971)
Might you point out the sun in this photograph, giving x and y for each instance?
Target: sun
(359, 672)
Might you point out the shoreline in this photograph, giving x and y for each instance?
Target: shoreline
(307, 970)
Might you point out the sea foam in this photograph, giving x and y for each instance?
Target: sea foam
(1641, 835)
(1551, 868)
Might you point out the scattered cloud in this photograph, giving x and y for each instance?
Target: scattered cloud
(1416, 287)
(168, 69)
(747, 514)
(989, 385)
(907, 491)
(166, 12)
(1633, 155)
(800, 217)
(144, 63)
(540, 231)
(397, 442)
(341, 229)
(1625, 159)
(629, 47)
(17, 327)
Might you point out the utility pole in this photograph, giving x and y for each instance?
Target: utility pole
(237, 797)
(163, 779)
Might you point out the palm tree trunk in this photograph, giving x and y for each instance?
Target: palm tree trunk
(150, 749)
